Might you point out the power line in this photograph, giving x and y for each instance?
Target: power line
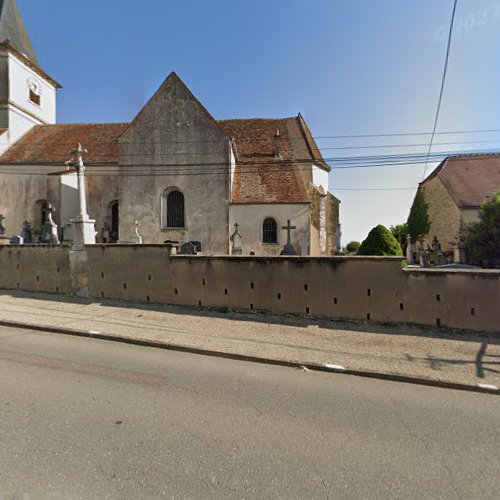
(407, 134)
(159, 169)
(392, 146)
(443, 82)
(376, 189)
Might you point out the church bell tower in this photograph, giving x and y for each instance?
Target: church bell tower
(27, 93)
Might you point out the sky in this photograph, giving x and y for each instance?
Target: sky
(352, 67)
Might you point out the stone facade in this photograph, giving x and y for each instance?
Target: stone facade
(444, 215)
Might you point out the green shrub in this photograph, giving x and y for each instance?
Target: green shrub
(353, 247)
(482, 238)
(380, 241)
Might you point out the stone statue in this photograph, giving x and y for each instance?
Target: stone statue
(137, 238)
(50, 234)
(2, 227)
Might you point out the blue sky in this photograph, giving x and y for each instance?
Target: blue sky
(351, 67)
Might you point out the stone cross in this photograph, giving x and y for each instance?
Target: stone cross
(289, 249)
(2, 228)
(84, 232)
(289, 228)
(82, 195)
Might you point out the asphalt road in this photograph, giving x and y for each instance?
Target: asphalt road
(82, 418)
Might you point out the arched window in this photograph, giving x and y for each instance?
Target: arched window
(270, 231)
(175, 209)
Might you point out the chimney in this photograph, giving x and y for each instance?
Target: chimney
(277, 145)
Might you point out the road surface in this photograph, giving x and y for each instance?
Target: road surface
(83, 418)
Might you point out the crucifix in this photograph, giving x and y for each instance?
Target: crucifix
(288, 228)
(289, 249)
(83, 225)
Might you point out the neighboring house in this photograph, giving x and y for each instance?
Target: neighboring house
(183, 175)
(454, 193)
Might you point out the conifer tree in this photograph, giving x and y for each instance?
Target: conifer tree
(418, 221)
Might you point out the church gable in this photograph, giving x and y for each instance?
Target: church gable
(174, 128)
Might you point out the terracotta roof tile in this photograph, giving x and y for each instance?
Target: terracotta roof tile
(259, 178)
(52, 144)
(470, 179)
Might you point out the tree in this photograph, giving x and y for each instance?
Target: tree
(482, 238)
(353, 247)
(418, 221)
(400, 232)
(380, 241)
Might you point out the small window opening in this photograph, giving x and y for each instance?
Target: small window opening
(35, 98)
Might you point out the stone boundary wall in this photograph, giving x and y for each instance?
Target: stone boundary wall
(360, 288)
(35, 268)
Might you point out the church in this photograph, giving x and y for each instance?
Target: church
(174, 174)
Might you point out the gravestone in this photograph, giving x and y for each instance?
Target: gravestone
(172, 247)
(236, 241)
(17, 240)
(197, 245)
(3, 239)
(27, 232)
(188, 249)
(289, 249)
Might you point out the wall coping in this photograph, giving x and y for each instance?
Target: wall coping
(494, 272)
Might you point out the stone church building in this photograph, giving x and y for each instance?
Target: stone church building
(182, 175)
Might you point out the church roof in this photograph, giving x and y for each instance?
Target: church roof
(12, 29)
(258, 177)
(52, 144)
(470, 179)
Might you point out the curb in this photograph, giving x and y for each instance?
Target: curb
(483, 389)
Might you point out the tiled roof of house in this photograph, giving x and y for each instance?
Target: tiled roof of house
(470, 179)
(259, 177)
(52, 144)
